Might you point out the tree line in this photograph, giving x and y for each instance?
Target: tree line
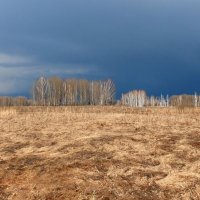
(15, 101)
(139, 98)
(54, 91)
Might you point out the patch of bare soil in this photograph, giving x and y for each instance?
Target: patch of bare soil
(89, 153)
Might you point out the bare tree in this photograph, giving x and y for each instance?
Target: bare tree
(55, 91)
(107, 92)
(71, 91)
(195, 100)
(40, 91)
(136, 98)
(141, 96)
(83, 92)
(94, 89)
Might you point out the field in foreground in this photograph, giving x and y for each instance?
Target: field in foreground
(99, 153)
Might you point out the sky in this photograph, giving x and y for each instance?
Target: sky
(141, 44)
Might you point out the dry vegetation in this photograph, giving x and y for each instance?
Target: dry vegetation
(99, 153)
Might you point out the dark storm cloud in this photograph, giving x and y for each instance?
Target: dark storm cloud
(153, 45)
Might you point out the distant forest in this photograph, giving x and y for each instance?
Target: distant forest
(55, 91)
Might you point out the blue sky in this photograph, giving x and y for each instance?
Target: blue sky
(140, 44)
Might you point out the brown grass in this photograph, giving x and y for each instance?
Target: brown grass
(102, 153)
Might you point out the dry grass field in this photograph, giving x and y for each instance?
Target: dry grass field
(99, 153)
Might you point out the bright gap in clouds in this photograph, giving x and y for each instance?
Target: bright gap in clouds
(17, 73)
